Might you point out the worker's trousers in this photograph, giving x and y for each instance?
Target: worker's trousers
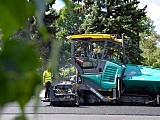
(48, 87)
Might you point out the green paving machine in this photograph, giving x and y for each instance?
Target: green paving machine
(105, 77)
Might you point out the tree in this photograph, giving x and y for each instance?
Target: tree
(96, 17)
(67, 24)
(116, 17)
(149, 45)
(32, 33)
(69, 21)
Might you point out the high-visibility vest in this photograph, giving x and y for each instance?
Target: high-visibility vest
(48, 76)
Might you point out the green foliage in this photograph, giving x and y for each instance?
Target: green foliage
(69, 21)
(117, 17)
(18, 73)
(14, 15)
(69, 71)
(157, 57)
(96, 22)
(67, 24)
(150, 49)
(50, 19)
(18, 59)
(53, 61)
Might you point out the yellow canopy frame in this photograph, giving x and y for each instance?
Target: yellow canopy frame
(95, 37)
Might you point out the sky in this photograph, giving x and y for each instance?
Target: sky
(153, 8)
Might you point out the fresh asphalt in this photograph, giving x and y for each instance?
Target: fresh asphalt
(110, 112)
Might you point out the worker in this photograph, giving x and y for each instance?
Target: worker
(47, 80)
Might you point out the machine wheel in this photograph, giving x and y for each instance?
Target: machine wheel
(90, 98)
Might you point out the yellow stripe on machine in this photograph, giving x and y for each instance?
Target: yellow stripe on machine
(95, 37)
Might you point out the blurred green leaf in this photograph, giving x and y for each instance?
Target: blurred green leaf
(18, 72)
(40, 9)
(14, 15)
(53, 62)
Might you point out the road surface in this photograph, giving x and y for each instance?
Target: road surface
(110, 112)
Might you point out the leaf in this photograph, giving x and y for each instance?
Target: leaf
(40, 9)
(18, 72)
(53, 62)
(14, 15)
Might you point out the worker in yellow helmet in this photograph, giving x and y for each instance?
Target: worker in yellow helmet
(47, 80)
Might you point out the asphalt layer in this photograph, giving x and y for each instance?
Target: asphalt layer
(94, 112)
